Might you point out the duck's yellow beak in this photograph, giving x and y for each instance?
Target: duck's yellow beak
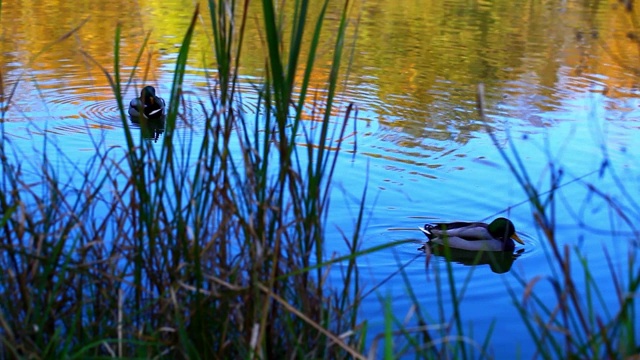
(517, 238)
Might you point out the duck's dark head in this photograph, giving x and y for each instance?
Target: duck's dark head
(503, 229)
(148, 95)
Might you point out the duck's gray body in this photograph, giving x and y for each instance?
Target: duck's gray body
(474, 236)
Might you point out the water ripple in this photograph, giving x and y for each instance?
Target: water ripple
(101, 110)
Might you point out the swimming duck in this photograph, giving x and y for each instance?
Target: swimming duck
(152, 106)
(474, 236)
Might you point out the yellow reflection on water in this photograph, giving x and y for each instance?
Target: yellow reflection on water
(415, 66)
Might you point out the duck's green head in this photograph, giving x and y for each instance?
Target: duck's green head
(148, 95)
(503, 229)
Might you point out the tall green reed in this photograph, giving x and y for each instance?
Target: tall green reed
(294, 184)
(165, 252)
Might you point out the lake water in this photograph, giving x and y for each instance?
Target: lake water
(562, 86)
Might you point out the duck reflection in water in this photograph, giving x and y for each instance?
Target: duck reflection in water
(149, 130)
(500, 262)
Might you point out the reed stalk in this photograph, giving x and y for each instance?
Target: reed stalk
(155, 250)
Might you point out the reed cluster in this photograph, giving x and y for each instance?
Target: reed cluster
(210, 248)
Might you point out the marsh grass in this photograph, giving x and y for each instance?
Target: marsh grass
(190, 249)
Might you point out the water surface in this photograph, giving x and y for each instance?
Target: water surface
(561, 86)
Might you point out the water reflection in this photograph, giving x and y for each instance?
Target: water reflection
(149, 130)
(500, 262)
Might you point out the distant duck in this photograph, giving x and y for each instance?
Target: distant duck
(474, 236)
(152, 106)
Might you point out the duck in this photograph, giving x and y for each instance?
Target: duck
(499, 235)
(148, 104)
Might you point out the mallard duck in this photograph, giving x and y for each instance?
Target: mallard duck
(148, 104)
(474, 236)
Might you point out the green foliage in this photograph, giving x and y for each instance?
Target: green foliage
(160, 252)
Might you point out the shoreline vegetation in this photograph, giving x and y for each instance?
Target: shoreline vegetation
(159, 253)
